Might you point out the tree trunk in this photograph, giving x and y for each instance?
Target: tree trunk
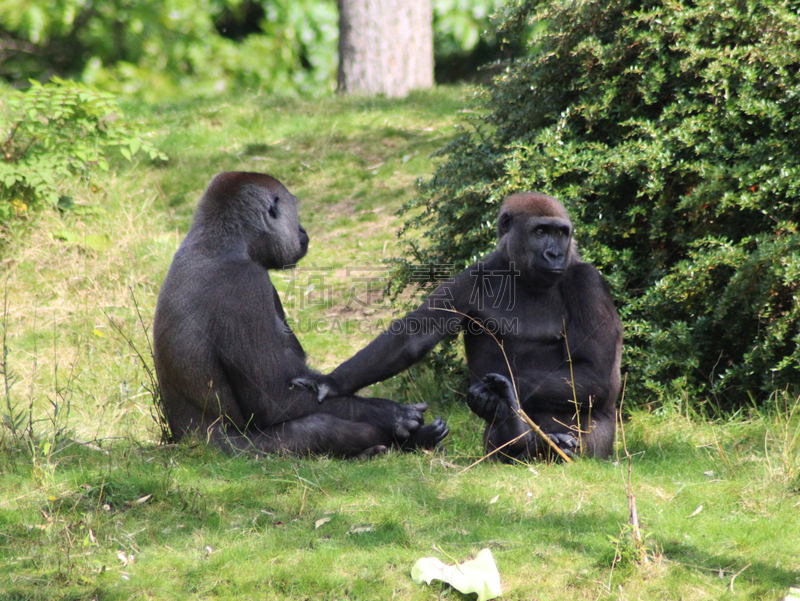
(385, 46)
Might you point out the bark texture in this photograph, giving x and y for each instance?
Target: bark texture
(385, 46)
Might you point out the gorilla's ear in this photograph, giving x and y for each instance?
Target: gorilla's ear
(505, 223)
(272, 206)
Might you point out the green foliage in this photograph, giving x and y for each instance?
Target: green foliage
(671, 131)
(461, 24)
(154, 48)
(54, 132)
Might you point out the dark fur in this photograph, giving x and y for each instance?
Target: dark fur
(224, 354)
(553, 292)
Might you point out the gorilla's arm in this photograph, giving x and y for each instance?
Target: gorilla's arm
(405, 342)
(293, 343)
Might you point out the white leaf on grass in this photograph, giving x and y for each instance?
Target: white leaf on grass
(494, 500)
(696, 511)
(140, 500)
(321, 522)
(794, 594)
(477, 576)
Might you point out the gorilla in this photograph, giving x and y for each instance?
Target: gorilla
(540, 332)
(225, 355)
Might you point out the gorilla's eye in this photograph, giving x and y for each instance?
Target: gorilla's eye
(539, 231)
(505, 222)
(273, 208)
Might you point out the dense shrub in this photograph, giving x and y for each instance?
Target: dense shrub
(671, 130)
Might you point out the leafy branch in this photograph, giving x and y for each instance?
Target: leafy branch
(56, 132)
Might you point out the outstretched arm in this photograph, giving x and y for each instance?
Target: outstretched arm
(405, 342)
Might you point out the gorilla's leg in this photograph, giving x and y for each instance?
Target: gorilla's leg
(600, 441)
(398, 421)
(319, 434)
(322, 434)
(403, 422)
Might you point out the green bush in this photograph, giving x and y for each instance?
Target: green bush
(671, 131)
(53, 133)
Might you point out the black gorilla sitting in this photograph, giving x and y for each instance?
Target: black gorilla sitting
(546, 307)
(224, 354)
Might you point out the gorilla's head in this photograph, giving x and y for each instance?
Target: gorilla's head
(253, 211)
(535, 233)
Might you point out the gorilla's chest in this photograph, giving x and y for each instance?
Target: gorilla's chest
(532, 320)
(541, 323)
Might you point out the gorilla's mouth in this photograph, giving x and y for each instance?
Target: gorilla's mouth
(550, 271)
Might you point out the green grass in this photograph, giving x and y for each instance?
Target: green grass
(102, 512)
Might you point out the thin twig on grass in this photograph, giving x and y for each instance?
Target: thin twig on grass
(634, 514)
(737, 573)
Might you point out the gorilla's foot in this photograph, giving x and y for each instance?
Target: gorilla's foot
(566, 441)
(427, 437)
(407, 419)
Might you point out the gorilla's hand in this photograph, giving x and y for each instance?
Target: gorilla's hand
(566, 441)
(324, 386)
(493, 398)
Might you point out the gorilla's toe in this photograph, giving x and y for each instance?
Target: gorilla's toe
(428, 436)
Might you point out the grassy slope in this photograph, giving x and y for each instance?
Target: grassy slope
(122, 519)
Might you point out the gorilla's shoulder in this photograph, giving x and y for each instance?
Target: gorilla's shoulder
(493, 261)
(583, 276)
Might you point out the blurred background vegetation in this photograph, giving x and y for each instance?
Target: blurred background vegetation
(155, 49)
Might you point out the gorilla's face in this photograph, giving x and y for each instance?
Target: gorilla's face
(279, 241)
(539, 246)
